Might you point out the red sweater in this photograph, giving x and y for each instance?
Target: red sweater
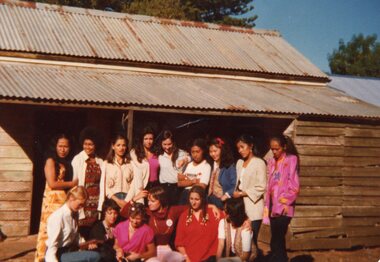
(199, 240)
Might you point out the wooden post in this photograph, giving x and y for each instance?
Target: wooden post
(130, 128)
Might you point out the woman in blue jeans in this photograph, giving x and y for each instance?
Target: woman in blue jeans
(62, 230)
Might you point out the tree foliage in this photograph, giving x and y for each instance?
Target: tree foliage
(360, 57)
(227, 12)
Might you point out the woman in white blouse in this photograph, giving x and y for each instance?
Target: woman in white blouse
(62, 230)
(251, 183)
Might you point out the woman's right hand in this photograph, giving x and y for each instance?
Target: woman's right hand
(140, 195)
(119, 254)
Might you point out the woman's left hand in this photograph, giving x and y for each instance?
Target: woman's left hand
(92, 246)
(237, 194)
(283, 200)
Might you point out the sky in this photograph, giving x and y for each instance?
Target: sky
(314, 27)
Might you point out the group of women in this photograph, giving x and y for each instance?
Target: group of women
(134, 202)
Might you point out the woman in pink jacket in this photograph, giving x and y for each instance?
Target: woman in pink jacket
(282, 191)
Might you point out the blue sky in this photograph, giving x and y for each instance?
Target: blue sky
(314, 27)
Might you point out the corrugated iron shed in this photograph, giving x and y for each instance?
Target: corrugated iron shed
(364, 88)
(104, 86)
(76, 32)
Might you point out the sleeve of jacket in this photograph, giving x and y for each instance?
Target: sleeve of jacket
(102, 185)
(256, 190)
(293, 181)
(75, 164)
(229, 187)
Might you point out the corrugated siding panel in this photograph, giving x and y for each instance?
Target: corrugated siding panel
(80, 84)
(91, 33)
(366, 89)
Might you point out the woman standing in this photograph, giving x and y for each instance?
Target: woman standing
(118, 171)
(223, 175)
(197, 171)
(89, 170)
(145, 159)
(283, 189)
(234, 239)
(172, 161)
(251, 173)
(133, 238)
(197, 230)
(62, 230)
(58, 174)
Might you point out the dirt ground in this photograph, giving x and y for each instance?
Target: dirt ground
(22, 249)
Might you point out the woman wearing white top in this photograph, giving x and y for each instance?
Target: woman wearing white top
(89, 170)
(197, 171)
(62, 230)
(119, 172)
(251, 183)
(172, 161)
(234, 239)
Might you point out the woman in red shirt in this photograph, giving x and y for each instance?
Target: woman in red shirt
(197, 230)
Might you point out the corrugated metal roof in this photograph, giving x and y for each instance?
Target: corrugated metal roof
(51, 29)
(363, 88)
(58, 83)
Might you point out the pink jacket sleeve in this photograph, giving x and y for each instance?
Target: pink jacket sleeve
(293, 181)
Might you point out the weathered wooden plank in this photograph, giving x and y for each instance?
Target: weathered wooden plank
(15, 186)
(15, 228)
(360, 191)
(321, 191)
(320, 200)
(316, 221)
(358, 181)
(360, 221)
(316, 150)
(14, 206)
(321, 171)
(320, 124)
(362, 151)
(362, 142)
(10, 164)
(23, 140)
(17, 196)
(10, 176)
(332, 243)
(323, 161)
(362, 132)
(319, 140)
(319, 131)
(361, 200)
(302, 230)
(14, 215)
(12, 152)
(361, 172)
(318, 211)
(320, 181)
(360, 211)
(339, 233)
(357, 161)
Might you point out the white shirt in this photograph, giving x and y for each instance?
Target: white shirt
(168, 172)
(201, 171)
(118, 178)
(246, 237)
(62, 231)
(79, 170)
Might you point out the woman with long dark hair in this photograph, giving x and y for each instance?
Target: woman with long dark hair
(282, 191)
(251, 177)
(172, 162)
(197, 230)
(145, 159)
(58, 174)
(234, 239)
(223, 175)
(119, 172)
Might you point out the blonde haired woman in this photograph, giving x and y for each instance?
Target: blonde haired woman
(62, 230)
